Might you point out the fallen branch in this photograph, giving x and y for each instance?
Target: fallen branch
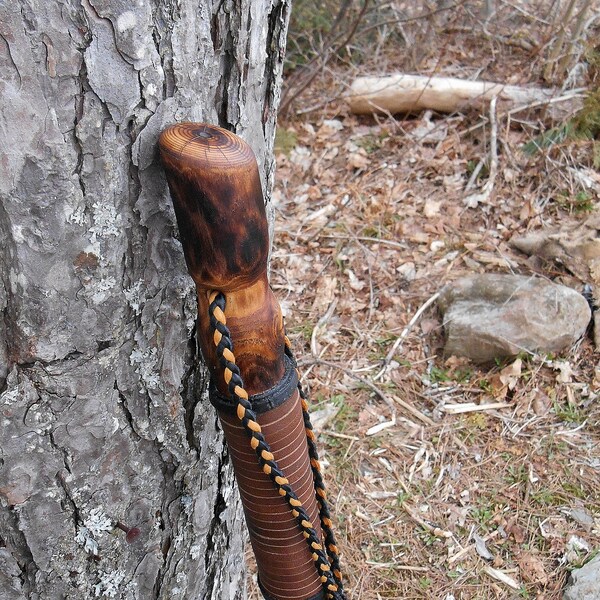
(321, 323)
(574, 97)
(413, 411)
(387, 399)
(502, 577)
(343, 436)
(402, 93)
(353, 375)
(391, 565)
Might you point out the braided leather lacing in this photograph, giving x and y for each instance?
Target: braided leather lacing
(325, 517)
(329, 572)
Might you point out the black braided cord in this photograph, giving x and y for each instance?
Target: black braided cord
(326, 523)
(331, 581)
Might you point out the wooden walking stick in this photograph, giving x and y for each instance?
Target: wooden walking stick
(215, 186)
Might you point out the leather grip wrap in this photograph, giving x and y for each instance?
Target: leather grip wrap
(285, 567)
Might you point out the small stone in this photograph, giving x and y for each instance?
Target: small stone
(581, 516)
(584, 583)
(431, 208)
(493, 316)
(407, 271)
(332, 125)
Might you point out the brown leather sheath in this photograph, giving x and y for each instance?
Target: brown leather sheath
(285, 566)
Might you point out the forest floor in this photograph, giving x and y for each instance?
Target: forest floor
(370, 224)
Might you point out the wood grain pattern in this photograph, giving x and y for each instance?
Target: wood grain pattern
(256, 325)
(216, 191)
(214, 183)
(215, 186)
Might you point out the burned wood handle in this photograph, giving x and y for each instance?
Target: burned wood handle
(216, 190)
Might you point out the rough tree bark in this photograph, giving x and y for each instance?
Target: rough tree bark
(102, 413)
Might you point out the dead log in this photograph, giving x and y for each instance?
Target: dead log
(402, 93)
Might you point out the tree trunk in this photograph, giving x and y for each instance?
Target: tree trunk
(104, 417)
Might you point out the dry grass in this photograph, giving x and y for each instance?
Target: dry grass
(370, 224)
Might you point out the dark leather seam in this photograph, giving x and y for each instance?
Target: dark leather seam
(263, 402)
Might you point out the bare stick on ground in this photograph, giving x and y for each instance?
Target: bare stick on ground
(403, 93)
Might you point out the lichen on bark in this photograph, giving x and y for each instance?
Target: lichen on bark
(101, 392)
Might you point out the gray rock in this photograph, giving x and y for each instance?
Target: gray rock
(584, 583)
(494, 316)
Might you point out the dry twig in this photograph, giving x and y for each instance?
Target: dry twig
(473, 200)
(456, 409)
(398, 343)
(437, 531)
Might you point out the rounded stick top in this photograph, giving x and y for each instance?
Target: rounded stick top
(216, 191)
(203, 146)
